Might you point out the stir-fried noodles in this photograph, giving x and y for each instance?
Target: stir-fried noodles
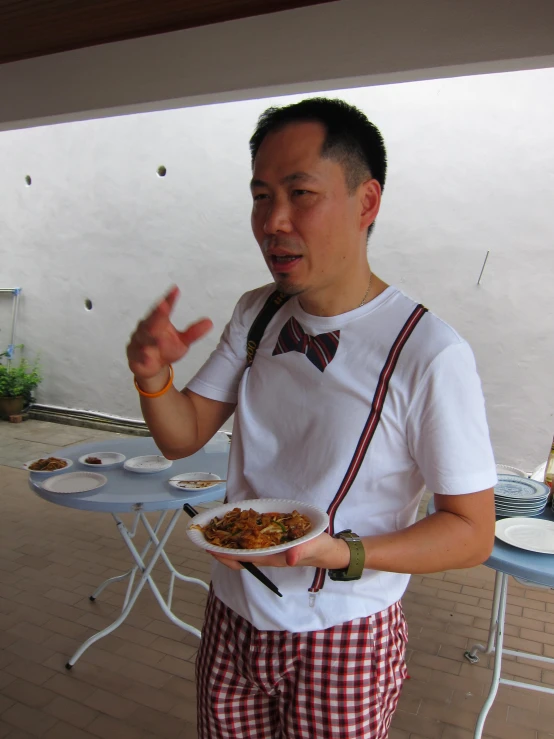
(48, 465)
(249, 529)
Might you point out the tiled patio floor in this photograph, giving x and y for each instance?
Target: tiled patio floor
(138, 683)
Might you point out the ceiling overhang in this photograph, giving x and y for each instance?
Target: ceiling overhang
(32, 28)
(334, 45)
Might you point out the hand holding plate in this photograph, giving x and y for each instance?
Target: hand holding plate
(323, 551)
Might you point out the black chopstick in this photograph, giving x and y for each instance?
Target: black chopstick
(252, 569)
(213, 483)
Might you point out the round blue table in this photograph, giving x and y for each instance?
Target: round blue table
(139, 494)
(536, 570)
(126, 491)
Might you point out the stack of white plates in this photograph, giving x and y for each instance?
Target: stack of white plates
(519, 496)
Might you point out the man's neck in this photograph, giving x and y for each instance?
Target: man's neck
(338, 301)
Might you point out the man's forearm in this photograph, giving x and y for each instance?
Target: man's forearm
(460, 534)
(442, 541)
(181, 422)
(172, 422)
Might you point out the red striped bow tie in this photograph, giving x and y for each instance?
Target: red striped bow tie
(319, 349)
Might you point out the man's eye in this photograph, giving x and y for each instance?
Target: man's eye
(300, 192)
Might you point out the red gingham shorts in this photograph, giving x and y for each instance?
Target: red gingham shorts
(340, 683)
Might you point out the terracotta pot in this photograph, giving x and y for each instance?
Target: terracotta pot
(11, 406)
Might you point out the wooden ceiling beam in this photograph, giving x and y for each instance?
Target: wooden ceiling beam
(32, 28)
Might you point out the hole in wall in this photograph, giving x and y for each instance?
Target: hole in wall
(28, 180)
(88, 304)
(162, 171)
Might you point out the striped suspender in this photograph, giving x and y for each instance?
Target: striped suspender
(370, 427)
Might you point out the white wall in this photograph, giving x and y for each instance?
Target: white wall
(471, 170)
(339, 44)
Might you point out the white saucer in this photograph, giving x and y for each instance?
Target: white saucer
(75, 482)
(148, 464)
(534, 535)
(209, 478)
(109, 459)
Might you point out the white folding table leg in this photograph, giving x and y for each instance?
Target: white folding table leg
(498, 642)
(109, 581)
(144, 552)
(471, 654)
(152, 533)
(117, 578)
(133, 570)
(140, 585)
(166, 605)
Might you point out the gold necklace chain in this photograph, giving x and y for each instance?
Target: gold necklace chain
(367, 291)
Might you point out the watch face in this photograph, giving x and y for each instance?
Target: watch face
(348, 536)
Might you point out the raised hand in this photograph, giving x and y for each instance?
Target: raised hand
(156, 343)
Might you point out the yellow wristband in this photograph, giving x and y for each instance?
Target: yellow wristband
(163, 391)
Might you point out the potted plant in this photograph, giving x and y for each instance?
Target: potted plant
(16, 385)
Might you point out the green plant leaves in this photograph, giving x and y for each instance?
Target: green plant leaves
(20, 381)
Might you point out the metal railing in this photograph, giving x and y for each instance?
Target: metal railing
(15, 292)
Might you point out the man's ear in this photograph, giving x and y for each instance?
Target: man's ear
(370, 200)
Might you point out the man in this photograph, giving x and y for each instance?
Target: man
(355, 400)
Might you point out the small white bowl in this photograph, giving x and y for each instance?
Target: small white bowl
(109, 459)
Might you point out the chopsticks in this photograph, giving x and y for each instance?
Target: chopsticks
(212, 482)
(252, 569)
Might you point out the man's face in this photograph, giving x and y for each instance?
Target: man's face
(310, 229)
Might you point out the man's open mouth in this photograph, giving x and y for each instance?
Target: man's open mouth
(283, 264)
(284, 260)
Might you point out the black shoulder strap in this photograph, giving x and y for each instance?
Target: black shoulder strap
(275, 301)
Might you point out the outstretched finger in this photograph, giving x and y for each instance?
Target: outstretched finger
(171, 297)
(159, 316)
(195, 331)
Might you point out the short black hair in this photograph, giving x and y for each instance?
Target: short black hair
(351, 139)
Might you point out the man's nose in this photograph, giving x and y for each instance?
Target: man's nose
(277, 218)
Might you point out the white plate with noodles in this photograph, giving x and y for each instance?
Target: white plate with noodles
(312, 520)
(41, 466)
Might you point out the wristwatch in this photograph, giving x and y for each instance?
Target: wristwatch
(357, 558)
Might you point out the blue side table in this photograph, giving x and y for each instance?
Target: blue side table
(536, 570)
(129, 492)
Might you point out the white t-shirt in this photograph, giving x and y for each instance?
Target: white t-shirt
(296, 429)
